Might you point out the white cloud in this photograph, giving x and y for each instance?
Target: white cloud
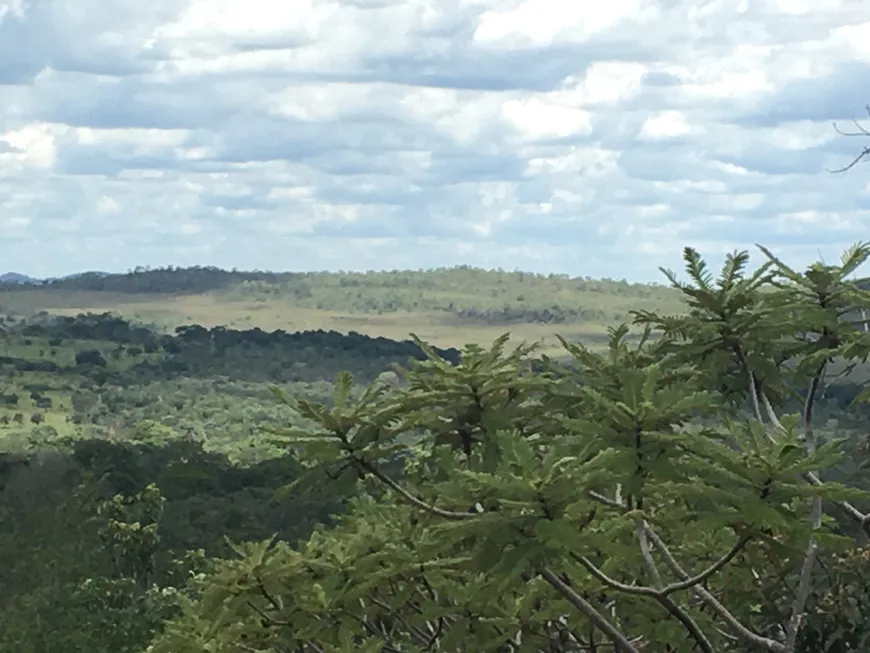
(605, 83)
(31, 146)
(594, 139)
(542, 22)
(667, 124)
(107, 204)
(535, 118)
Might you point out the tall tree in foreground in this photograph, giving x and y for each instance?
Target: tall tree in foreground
(655, 497)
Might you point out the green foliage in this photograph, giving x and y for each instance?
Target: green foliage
(103, 542)
(139, 355)
(654, 496)
(837, 618)
(657, 494)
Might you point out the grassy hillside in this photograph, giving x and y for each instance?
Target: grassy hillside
(448, 307)
(100, 376)
(212, 384)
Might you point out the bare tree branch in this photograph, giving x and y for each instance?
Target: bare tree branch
(658, 592)
(864, 154)
(805, 581)
(720, 610)
(646, 552)
(419, 503)
(661, 592)
(620, 641)
(687, 583)
(813, 479)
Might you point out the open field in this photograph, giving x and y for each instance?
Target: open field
(447, 307)
(56, 387)
(437, 327)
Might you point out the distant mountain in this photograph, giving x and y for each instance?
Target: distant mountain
(79, 275)
(14, 277)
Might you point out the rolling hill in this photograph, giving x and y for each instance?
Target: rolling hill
(448, 307)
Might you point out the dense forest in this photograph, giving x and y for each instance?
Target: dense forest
(697, 482)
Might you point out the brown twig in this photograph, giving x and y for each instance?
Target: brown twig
(620, 642)
(864, 154)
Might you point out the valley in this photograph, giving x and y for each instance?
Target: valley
(155, 426)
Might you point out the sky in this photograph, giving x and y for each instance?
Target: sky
(588, 138)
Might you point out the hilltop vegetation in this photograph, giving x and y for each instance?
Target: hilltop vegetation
(442, 289)
(448, 307)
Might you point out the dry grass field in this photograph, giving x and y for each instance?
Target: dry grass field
(209, 310)
(448, 308)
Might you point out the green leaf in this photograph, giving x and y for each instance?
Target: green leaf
(790, 454)
(560, 534)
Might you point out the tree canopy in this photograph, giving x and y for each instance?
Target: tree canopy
(674, 493)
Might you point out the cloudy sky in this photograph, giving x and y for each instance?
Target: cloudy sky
(593, 138)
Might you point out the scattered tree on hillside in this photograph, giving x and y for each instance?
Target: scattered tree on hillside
(90, 357)
(464, 293)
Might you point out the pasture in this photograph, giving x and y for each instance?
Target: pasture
(439, 328)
